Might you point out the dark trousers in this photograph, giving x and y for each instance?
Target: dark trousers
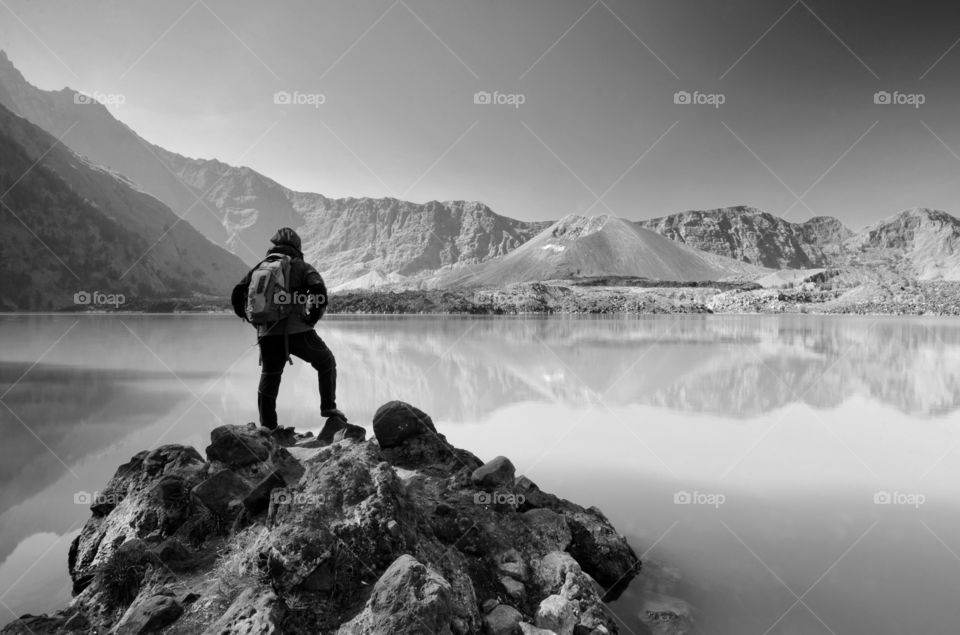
(310, 348)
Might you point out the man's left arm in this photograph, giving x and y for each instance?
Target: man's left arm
(317, 290)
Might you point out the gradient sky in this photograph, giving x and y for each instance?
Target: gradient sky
(399, 119)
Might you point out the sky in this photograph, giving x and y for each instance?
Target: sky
(585, 115)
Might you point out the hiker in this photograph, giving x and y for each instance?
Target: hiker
(284, 297)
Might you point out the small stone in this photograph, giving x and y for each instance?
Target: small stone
(511, 563)
(495, 473)
(503, 620)
(514, 589)
(396, 421)
(394, 528)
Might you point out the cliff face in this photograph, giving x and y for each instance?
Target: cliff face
(920, 243)
(280, 533)
(348, 238)
(754, 236)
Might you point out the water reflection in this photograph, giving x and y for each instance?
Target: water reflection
(696, 389)
(738, 366)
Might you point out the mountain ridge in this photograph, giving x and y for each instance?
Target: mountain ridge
(239, 208)
(382, 242)
(73, 226)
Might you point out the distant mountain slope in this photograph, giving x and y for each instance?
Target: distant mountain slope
(578, 246)
(754, 236)
(920, 243)
(97, 224)
(353, 236)
(240, 209)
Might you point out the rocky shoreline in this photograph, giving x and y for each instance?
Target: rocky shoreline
(277, 532)
(821, 296)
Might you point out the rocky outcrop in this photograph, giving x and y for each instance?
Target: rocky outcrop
(284, 533)
(920, 243)
(755, 236)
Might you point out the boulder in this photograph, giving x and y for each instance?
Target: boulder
(255, 611)
(149, 615)
(237, 446)
(495, 473)
(396, 421)
(602, 552)
(222, 493)
(408, 598)
(557, 614)
(503, 620)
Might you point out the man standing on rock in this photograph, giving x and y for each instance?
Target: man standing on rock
(284, 297)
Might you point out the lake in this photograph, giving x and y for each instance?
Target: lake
(789, 474)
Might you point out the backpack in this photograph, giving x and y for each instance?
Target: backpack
(268, 293)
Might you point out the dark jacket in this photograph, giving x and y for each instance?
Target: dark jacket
(304, 280)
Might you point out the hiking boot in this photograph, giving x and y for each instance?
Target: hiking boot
(333, 413)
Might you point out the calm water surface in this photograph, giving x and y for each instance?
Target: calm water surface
(792, 426)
